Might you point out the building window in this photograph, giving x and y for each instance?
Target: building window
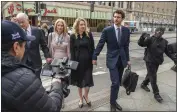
(122, 3)
(109, 4)
(99, 3)
(113, 4)
(157, 9)
(139, 6)
(118, 4)
(162, 10)
(103, 3)
(129, 5)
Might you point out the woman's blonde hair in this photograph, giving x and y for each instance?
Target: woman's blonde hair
(76, 26)
(44, 25)
(65, 30)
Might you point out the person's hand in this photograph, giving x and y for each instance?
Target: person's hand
(56, 80)
(94, 62)
(129, 63)
(48, 60)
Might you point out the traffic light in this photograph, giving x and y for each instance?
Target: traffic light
(92, 6)
(43, 6)
(36, 7)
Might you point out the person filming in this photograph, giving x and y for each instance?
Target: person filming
(21, 90)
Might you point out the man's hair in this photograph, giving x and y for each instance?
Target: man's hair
(119, 12)
(7, 47)
(22, 15)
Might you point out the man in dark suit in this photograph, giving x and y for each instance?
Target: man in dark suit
(51, 29)
(117, 38)
(32, 52)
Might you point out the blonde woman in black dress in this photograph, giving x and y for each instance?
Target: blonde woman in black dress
(81, 49)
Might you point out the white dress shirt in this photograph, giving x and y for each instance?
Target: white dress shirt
(116, 30)
(29, 30)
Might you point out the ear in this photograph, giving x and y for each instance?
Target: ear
(15, 48)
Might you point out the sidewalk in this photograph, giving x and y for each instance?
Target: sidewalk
(138, 100)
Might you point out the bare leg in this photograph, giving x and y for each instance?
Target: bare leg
(80, 94)
(86, 93)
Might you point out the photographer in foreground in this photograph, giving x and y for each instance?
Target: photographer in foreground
(21, 90)
(156, 46)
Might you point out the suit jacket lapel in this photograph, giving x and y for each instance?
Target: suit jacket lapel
(32, 31)
(114, 34)
(122, 34)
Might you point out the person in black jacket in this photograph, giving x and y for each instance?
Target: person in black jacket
(21, 90)
(156, 47)
(51, 29)
(81, 49)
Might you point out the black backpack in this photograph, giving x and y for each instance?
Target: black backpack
(129, 80)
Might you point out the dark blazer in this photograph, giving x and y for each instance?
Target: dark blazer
(74, 46)
(114, 49)
(32, 55)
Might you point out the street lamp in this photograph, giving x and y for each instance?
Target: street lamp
(22, 6)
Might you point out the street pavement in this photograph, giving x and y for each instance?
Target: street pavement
(138, 100)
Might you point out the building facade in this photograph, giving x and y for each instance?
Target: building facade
(154, 14)
(149, 14)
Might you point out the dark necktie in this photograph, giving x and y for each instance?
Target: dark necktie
(119, 35)
(28, 42)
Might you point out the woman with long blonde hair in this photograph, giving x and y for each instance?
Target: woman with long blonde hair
(82, 48)
(59, 40)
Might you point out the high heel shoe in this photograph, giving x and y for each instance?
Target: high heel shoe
(80, 104)
(88, 103)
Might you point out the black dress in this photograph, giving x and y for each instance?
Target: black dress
(82, 51)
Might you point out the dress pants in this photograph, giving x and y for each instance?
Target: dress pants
(116, 76)
(152, 76)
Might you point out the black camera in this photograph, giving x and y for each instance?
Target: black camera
(60, 68)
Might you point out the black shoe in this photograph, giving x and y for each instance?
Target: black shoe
(88, 103)
(158, 98)
(80, 104)
(118, 106)
(145, 87)
(113, 108)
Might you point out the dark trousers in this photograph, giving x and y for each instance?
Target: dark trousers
(152, 76)
(116, 76)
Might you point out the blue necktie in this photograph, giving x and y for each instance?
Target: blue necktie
(119, 35)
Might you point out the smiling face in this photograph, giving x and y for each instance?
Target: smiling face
(60, 27)
(23, 22)
(82, 26)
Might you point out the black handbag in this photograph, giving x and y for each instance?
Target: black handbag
(47, 70)
(129, 81)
